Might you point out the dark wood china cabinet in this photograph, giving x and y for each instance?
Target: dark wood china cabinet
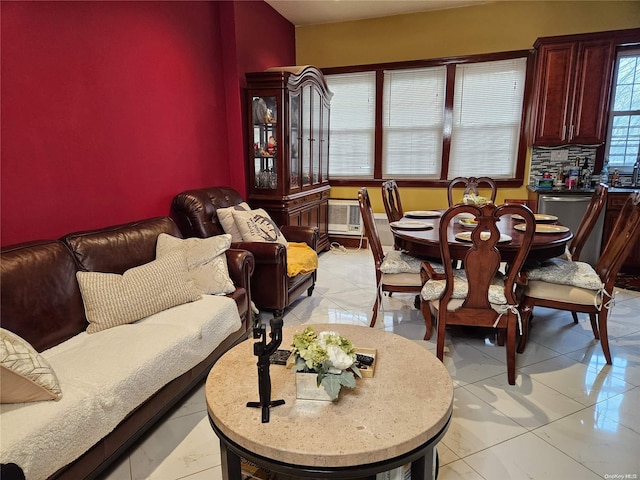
(572, 89)
(288, 134)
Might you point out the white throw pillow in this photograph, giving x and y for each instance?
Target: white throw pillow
(566, 272)
(206, 260)
(432, 289)
(25, 375)
(257, 226)
(227, 221)
(111, 299)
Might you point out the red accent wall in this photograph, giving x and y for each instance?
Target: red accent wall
(109, 109)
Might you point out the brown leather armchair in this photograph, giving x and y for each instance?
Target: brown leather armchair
(271, 289)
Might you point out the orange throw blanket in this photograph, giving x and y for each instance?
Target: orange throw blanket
(301, 258)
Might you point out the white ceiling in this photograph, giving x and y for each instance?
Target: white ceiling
(309, 12)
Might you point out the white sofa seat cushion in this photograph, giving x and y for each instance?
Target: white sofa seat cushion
(105, 376)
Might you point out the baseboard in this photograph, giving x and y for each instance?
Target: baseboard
(349, 241)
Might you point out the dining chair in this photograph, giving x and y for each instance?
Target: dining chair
(477, 294)
(577, 287)
(391, 201)
(591, 215)
(406, 277)
(597, 203)
(470, 186)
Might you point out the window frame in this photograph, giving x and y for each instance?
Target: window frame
(450, 63)
(631, 50)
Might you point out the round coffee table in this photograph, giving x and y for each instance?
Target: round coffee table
(393, 418)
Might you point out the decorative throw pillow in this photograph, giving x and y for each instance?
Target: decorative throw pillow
(257, 226)
(206, 260)
(111, 299)
(25, 375)
(432, 289)
(566, 272)
(227, 221)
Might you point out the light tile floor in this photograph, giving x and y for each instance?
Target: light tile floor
(569, 416)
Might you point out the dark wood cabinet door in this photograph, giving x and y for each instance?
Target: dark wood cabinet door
(554, 77)
(572, 87)
(592, 89)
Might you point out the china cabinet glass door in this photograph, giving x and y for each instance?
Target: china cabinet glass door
(265, 142)
(295, 140)
(306, 135)
(315, 136)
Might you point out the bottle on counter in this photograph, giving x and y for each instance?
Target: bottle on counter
(615, 178)
(585, 174)
(604, 174)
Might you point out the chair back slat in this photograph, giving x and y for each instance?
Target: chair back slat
(623, 238)
(391, 200)
(471, 186)
(482, 260)
(598, 201)
(370, 228)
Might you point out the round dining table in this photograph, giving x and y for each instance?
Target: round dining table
(425, 242)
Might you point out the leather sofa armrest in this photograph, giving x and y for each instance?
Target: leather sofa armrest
(265, 253)
(241, 264)
(294, 233)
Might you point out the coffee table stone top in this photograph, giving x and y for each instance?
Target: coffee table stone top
(405, 404)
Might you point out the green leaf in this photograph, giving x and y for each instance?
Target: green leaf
(347, 379)
(331, 384)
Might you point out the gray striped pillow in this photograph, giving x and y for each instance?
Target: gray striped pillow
(111, 299)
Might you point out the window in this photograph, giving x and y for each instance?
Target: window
(435, 120)
(412, 122)
(352, 131)
(623, 146)
(487, 111)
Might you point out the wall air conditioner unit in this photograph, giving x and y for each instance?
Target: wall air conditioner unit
(344, 217)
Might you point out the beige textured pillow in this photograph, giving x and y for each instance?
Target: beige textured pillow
(225, 215)
(111, 299)
(206, 260)
(25, 376)
(257, 226)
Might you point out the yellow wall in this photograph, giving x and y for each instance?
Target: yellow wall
(484, 28)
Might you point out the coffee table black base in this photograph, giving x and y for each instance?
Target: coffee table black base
(421, 458)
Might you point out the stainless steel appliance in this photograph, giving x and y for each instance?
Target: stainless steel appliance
(570, 209)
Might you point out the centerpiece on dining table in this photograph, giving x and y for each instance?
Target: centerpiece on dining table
(324, 363)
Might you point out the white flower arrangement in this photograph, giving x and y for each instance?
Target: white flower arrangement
(328, 354)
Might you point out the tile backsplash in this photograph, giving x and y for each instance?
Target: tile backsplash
(541, 160)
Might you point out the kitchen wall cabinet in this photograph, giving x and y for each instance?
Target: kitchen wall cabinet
(615, 201)
(288, 133)
(572, 89)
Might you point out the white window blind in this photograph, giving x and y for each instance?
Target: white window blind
(487, 112)
(623, 147)
(413, 113)
(352, 138)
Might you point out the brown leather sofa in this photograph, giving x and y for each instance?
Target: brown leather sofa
(271, 289)
(41, 302)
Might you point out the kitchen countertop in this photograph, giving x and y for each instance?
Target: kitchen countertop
(576, 191)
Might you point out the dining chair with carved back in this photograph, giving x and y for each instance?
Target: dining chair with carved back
(391, 201)
(596, 205)
(471, 185)
(477, 294)
(574, 249)
(395, 271)
(578, 287)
